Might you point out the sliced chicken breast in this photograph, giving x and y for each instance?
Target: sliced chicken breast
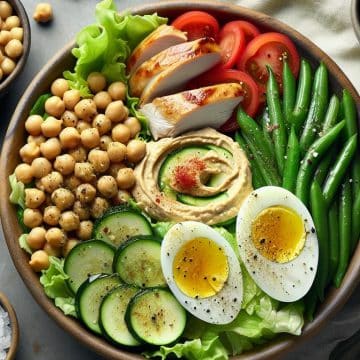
(162, 38)
(202, 54)
(209, 106)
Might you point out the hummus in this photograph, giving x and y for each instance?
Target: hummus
(235, 182)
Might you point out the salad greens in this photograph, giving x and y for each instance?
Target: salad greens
(17, 195)
(23, 243)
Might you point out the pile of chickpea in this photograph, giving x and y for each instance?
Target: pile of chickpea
(80, 159)
(11, 37)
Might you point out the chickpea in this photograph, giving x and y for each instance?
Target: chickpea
(14, 48)
(54, 106)
(34, 198)
(51, 148)
(135, 151)
(64, 164)
(82, 125)
(122, 197)
(85, 230)
(102, 100)
(36, 238)
(72, 182)
(82, 211)
(55, 237)
(39, 261)
(63, 198)
(86, 110)
(51, 127)
(69, 138)
(79, 154)
(99, 159)
(121, 133)
(5, 37)
(116, 111)
(29, 152)
(114, 169)
(69, 119)
(32, 218)
(52, 215)
(102, 123)
(69, 245)
(52, 181)
(107, 186)
(17, 33)
(51, 250)
(84, 171)
(69, 221)
(33, 125)
(96, 81)
(43, 13)
(85, 193)
(5, 9)
(12, 22)
(134, 125)
(98, 207)
(24, 173)
(7, 66)
(125, 178)
(117, 90)
(90, 138)
(59, 86)
(116, 152)
(41, 167)
(71, 98)
(38, 140)
(105, 140)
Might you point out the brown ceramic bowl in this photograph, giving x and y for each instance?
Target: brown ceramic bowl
(18, 9)
(5, 303)
(15, 138)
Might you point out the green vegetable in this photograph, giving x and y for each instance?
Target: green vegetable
(355, 222)
(333, 239)
(355, 173)
(161, 228)
(276, 120)
(289, 90)
(17, 195)
(23, 243)
(20, 217)
(133, 104)
(39, 106)
(319, 214)
(331, 116)
(266, 126)
(317, 109)
(292, 162)
(312, 158)
(323, 169)
(349, 114)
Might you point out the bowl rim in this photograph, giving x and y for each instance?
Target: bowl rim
(19, 10)
(355, 17)
(336, 297)
(5, 303)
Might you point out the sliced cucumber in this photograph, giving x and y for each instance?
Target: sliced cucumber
(86, 259)
(138, 262)
(115, 227)
(155, 317)
(201, 201)
(112, 315)
(89, 297)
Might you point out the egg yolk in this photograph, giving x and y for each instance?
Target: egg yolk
(200, 268)
(278, 233)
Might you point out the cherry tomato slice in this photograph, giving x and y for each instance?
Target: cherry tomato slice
(269, 49)
(197, 24)
(249, 29)
(232, 44)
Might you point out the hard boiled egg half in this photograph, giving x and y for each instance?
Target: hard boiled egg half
(277, 243)
(202, 271)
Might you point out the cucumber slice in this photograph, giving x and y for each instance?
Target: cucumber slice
(138, 262)
(86, 259)
(89, 297)
(201, 201)
(155, 317)
(115, 227)
(112, 315)
(218, 179)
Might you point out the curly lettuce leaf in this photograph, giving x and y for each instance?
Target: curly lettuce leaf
(162, 227)
(133, 104)
(24, 244)
(67, 305)
(17, 195)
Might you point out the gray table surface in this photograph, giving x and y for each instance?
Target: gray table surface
(40, 337)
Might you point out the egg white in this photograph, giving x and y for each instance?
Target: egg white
(288, 281)
(221, 308)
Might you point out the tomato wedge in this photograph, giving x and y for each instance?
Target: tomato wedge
(249, 29)
(197, 24)
(269, 49)
(232, 44)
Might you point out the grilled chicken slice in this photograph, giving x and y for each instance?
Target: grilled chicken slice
(180, 63)
(162, 38)
(209, 106)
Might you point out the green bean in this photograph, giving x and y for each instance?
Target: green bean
(339, 168)
(323, 168)
(303, 95)
(345, 209)
(289, 89)
(319, 214)
(311, 300)
(276, 120)
(257, 178)
(349, 114)
(317, 109)
(265, 125)
(355, 173)
(333, 240)
(331, 116)
(312, 158)
(292, 162)
(355, 222)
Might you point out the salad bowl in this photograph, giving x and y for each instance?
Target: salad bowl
(14, 139)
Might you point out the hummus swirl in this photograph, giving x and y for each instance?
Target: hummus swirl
(236, 183)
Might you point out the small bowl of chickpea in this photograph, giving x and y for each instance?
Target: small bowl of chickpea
(15, 41)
